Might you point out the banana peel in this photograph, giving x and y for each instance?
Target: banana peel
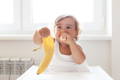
(48, 45)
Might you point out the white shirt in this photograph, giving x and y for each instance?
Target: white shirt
(65, 63)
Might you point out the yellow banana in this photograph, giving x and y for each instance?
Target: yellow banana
(48, 45)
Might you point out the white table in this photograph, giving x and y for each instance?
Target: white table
(96, 73)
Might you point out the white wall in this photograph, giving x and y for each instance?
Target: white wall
(98, 51)
(116, 40)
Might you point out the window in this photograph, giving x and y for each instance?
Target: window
(6, 14)
(9, 16)
(24, 16)
(48, 10)
(90, 13)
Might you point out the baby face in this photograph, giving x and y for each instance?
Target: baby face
(66, 25)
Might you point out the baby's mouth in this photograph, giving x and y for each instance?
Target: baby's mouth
(60, 38)
(62, 32)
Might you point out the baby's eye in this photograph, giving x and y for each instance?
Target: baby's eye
(59, 27)
(68, 27)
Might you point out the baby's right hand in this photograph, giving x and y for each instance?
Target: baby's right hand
(40, 34)
(44, 32)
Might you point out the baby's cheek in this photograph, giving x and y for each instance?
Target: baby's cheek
(58, 34)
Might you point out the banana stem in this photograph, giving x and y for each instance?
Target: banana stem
(35, 49)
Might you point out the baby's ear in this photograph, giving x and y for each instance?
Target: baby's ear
(76, 33)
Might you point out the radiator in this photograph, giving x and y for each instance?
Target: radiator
(12, 68)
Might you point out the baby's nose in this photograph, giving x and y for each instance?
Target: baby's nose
(62, 31)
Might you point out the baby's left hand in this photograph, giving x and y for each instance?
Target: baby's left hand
(66, 38)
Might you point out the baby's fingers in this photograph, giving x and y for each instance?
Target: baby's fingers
(44, 32)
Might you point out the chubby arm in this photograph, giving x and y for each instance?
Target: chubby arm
(37, 39)
(77, 53)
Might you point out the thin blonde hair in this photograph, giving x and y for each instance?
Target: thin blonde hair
(68, 16)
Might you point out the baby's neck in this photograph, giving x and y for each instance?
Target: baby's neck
(63, 45)
(64, 49)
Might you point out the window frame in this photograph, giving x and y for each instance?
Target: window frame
(15, 27)
(24, 21)
(99, 18)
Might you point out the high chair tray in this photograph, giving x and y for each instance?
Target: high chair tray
(96, 73)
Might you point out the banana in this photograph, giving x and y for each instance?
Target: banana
(48, 45)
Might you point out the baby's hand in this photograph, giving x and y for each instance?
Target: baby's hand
(66, 38)
(40, 34)
(44, 32)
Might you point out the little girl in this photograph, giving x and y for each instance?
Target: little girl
(69, 55)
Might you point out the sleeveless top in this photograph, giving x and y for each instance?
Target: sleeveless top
(65, 63)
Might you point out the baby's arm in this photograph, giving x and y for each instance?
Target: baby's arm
(77, 53)
(37, 39)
